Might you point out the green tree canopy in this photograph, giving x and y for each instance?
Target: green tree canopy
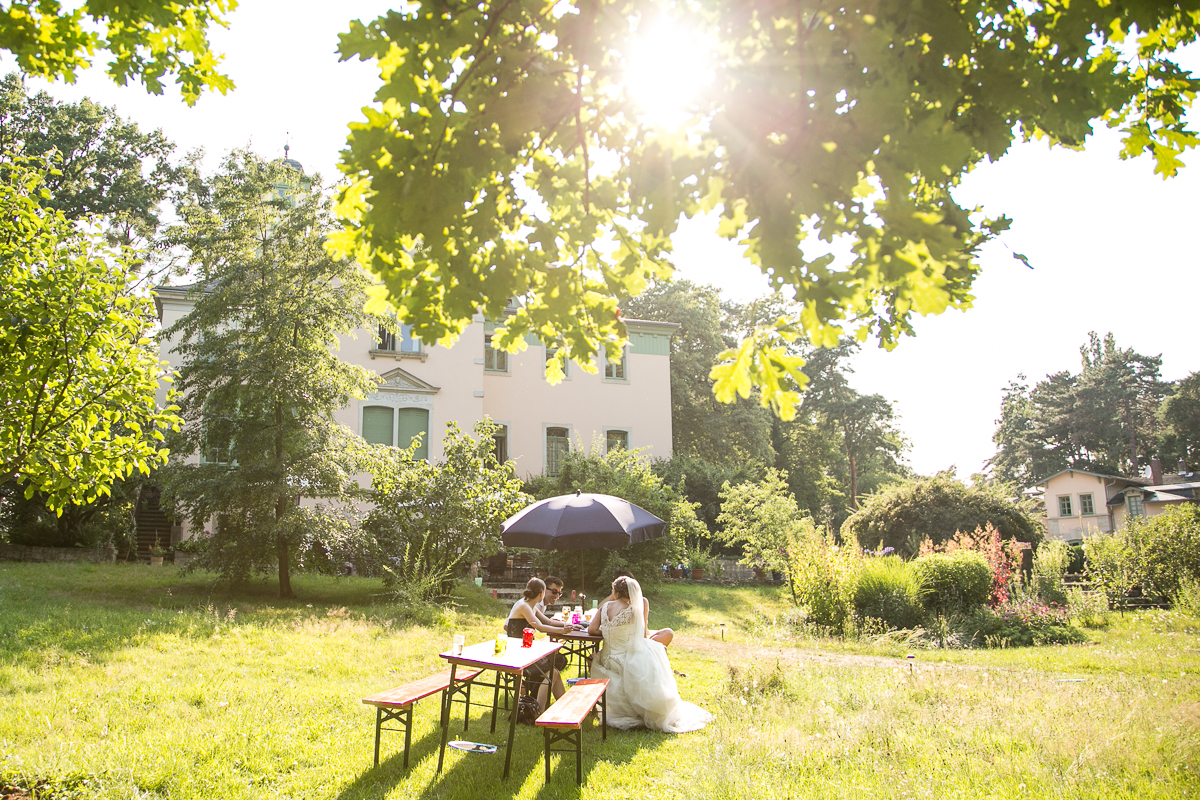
(904, 514)
(79, 372)
(106, 169)
(261, 379)
(1105, 418)
(148, 40)
(505, 148)
(1180, 418)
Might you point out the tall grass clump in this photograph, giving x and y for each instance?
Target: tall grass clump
(889, 589)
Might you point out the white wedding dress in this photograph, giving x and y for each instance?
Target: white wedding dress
(641, 687)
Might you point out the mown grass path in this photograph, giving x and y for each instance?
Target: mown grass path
(121, 681)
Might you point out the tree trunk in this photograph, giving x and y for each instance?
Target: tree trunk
(1133, 460)
(281, 545)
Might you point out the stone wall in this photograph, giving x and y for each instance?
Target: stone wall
(18, 552)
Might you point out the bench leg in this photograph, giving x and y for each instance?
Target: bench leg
(408, 723)
(546, 737)
(579, 756)
(604, 716)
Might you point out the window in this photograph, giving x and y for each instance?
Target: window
(566, 367)
(377, 425)
(1064, 505)
(410, 423)
(1085, 504)
(1135, 506)
(558, 444)
(616, 440)
(500, 439)
(493, 360)
(615, 370)
(404, 342)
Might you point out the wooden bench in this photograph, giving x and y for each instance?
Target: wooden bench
(396, 705)
(563, 721)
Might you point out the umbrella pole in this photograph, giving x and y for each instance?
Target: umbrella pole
(582, 589)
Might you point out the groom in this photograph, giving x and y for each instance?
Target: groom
(663, 635)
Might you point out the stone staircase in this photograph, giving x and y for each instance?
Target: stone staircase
(152, 525)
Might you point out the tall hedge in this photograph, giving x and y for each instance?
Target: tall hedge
(902, 515)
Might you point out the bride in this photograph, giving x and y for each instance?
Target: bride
(641, 687)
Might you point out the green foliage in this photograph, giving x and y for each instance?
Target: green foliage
(700, 481)
(1179, 417)
(1050, 563)
(1024, 622)
(108, 519)
(107, 171)
(893, 106)
(1087, 421)
(1152, 554)
(955, 582)
(890, 589)
(148, 40)
(1187, 597)
(734, 435)
(261, 378)
(1110, 565)
(78, 371)
(429, 518)
(904, 514)
(1166, 550)
(625, 474)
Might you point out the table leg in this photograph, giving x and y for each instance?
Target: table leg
(447, 697)
(512, 726)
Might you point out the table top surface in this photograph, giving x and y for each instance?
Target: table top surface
(513, 659)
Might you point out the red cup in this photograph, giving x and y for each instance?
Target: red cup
(527, 637)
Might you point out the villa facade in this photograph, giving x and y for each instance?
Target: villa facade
(423, 387)
(1080, 504)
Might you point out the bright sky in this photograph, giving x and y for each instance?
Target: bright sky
(1113, 247)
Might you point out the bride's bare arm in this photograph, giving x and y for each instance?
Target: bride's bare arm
(594, 625)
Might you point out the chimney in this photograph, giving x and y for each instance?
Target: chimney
(1156, 478)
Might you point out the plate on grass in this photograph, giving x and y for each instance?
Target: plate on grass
(473, 747)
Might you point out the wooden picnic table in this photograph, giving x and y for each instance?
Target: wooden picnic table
(512, 662)
(580, 646)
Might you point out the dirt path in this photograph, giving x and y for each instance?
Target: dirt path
(737, 653)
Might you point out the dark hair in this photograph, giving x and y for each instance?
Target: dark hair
(552, 581)
(620, 587)
(622, 573)
(534, 588)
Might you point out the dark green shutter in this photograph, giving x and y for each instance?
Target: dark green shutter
(377, 425)
(414, 421)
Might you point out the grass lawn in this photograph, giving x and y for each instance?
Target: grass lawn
(122, 681)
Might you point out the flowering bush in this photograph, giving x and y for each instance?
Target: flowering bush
(1025, 621)
(1003, 557)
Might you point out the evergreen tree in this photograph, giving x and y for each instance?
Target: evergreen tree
(261, 378)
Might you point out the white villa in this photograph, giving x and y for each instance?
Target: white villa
(423, 387)
(1080, 504)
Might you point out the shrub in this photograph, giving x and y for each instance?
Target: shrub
(889, 589)
(1153, 555)
(954, 582)
(1003, 557)
(905, 514)
(1050, 563)
(1187, 597)
(1024, 622)
(1166, 549)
